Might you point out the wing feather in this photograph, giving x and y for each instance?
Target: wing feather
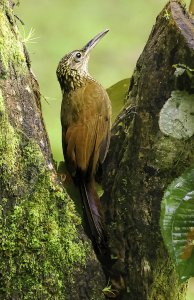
(86, 138)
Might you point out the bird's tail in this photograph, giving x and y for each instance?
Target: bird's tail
(93, 211)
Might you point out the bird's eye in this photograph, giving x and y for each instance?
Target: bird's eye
(78, 55)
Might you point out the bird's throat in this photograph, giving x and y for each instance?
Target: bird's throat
(73, 80)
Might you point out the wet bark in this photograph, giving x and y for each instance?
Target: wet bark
(44, 253)
(143, 159)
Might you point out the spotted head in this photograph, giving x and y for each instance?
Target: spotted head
(72, 69)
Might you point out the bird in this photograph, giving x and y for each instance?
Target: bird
(86, 124)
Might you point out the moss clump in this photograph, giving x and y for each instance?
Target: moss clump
(39, 248)
(161, 290)
(11, 49)
(166, 152)
(9, 146)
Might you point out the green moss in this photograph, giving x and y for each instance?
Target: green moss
(166, 151)
(40, 252)
(9, 143)
(9, 41)
(39, 248)
(162, 287)
(2, 106)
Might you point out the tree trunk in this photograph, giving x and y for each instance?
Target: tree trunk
(144, 158)
(44, 253)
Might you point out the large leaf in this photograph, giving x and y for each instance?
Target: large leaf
(177, 223)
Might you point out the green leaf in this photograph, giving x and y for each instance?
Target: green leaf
(181, 68)
(184, 72)
(177, 223)
(117, 94)
(179, 71)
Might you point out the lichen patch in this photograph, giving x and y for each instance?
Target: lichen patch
(177, 115)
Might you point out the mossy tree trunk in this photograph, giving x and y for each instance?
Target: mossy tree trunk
(44, 253)
(145, 157)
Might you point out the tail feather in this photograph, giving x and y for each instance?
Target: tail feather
(91, 204)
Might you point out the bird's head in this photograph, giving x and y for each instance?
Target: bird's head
(75, 64)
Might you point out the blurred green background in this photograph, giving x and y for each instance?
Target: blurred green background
(61, 26)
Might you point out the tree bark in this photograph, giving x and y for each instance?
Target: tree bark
(44, 253)
(142, 161)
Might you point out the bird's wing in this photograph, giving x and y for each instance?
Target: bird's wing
(86, 136)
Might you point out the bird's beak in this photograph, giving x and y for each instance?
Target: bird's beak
(91, 44)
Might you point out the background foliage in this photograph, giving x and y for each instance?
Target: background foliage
(61, 26)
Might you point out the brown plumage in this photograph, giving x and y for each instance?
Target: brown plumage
(85, 119)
